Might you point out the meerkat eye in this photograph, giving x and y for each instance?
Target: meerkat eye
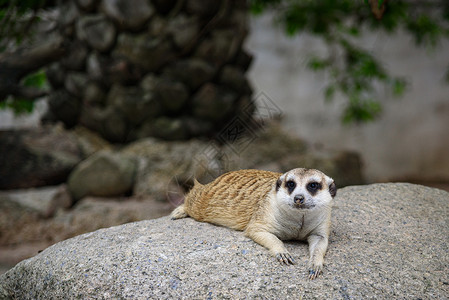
(290, 185)
(313, 186)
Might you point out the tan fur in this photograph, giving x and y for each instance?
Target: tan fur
(248, 200)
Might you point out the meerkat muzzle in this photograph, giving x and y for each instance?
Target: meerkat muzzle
(299, 199)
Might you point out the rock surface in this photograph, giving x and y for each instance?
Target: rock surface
(44, 201)
(103, 174)
(114, 46)
(32, 158)
(23, 233)
(388, 241)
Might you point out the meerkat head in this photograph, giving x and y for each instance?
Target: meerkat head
(305, 188)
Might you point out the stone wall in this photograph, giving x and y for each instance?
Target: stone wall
(168, 69)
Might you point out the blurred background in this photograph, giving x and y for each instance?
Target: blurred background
(110, 109)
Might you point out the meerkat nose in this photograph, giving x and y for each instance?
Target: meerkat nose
(299, 199)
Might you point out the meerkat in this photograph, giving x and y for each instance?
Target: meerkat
(268, 207)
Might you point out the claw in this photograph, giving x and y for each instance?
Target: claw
(313, 273)
(285, 258)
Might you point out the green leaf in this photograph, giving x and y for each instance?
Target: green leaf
(379, 3)
(329, 92)
(399, 86)
(425, 30)
(38, 79)
(316, 64)
(18, 105)
(361, 111)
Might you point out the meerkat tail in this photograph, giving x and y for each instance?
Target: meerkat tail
(178, 213)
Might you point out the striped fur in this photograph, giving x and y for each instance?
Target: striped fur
(215, 202)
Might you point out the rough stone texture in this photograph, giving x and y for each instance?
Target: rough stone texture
(89, 141)
(144, 50)
(24, 233)
(44, 201)
(64, 107)
(193, 72)
(97, 31)
(22, 211)
(103, 174)
(388, 241)
(136, 69)
(133, 103)
(165, 169)
(32, 158)
(213, 103)
(129, 14)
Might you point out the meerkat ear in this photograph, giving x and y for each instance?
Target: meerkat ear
(278, 184)
(333, 189)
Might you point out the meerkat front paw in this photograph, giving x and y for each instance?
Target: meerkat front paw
(178, 213)
(285, 258)
(315, 270)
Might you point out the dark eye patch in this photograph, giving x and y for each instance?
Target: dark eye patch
(290, 186)
(313, 187)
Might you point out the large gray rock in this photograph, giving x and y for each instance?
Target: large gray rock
(24, 232)
(388, 241)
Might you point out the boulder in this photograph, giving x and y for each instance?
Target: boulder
(128, 14)
(37, 157)
(165, 128)
(102, 174)
(75, 83)
(235, 79)
(94, 95)
(134, 103)
(87, 4)
(97, 31)
(55, 75)
(172, 94)
(69, 15)
(23, 211)
(23, 232)
(193, 72)
(387, 241)
(65, 107)
(90, 142)
(166, 169)
(44, 201)
(212, 102)
(144, 50)
(184, 30)
(202, 7)
(75, 58)
(220, 47)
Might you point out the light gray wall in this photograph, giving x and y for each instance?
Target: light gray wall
(410, 140)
